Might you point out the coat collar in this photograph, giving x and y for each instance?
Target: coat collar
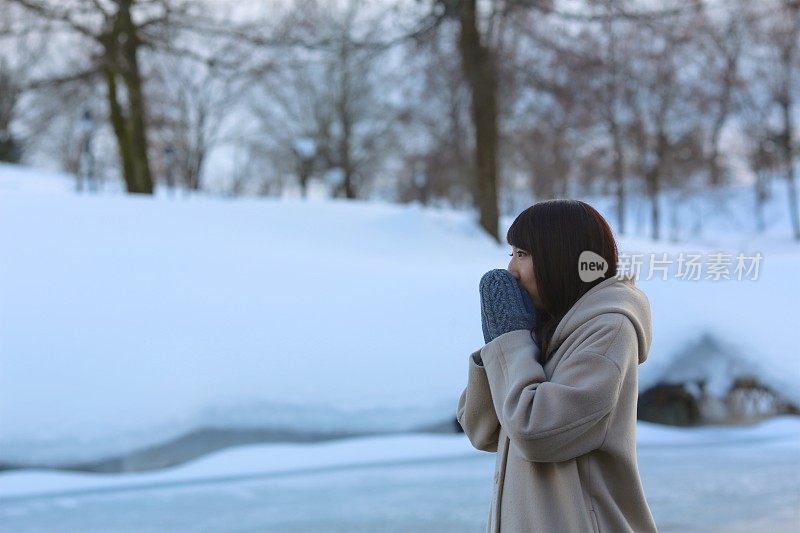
(616, 294)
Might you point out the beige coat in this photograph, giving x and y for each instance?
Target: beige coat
(565, 433)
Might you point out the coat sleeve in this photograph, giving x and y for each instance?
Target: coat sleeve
(567, 416)
(475, 410)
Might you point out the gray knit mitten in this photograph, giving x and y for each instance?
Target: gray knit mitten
(505, 305)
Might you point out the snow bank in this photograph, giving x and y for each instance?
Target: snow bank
(275, 459)
(128, 321)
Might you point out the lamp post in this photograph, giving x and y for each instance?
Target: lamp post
(86, 161)
(306, 149)
(169, 161)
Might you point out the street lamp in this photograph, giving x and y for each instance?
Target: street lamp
(86, 161)
(306, 149)
(169, 160)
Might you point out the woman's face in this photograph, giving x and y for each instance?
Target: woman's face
(521, 267)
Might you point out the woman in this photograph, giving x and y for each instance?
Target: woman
(554, 392)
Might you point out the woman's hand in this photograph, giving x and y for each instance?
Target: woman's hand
(505, 305)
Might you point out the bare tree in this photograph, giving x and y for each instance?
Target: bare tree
(189, 102)
(21, 52)
(116, 40)
(436, 136)
(720, 39)
(478, 23)
(665, 121)
(323, 108)
(10, 149)
(114, 34)
(778, 63)
(614, 51)
(480, 71)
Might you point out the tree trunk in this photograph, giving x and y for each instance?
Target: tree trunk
(121, 130)
(613, 122)
(788, 150)
(130, 125)
(198, 153)
(477, 63)
(654, 185)
(619, 174)
(653, 179)
(136, 107)
(787, 136)
(761, 197)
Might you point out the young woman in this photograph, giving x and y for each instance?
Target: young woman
(554, 391)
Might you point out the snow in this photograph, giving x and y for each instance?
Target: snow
(17, 178)
(751, 320)
(272, 459)
(127, 321)
(729, 477)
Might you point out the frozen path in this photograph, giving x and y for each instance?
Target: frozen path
(739, 486)
(751, 483)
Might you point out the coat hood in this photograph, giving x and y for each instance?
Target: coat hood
(613, 295)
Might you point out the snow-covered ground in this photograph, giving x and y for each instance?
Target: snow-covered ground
(129, 321)
(126, 322)
(702, 479)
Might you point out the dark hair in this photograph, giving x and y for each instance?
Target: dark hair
(555, 232)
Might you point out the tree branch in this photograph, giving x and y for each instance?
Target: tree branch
(52, 13)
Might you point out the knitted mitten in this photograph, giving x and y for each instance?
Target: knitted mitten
(505, 305)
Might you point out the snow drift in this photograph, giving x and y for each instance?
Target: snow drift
(128, 321)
